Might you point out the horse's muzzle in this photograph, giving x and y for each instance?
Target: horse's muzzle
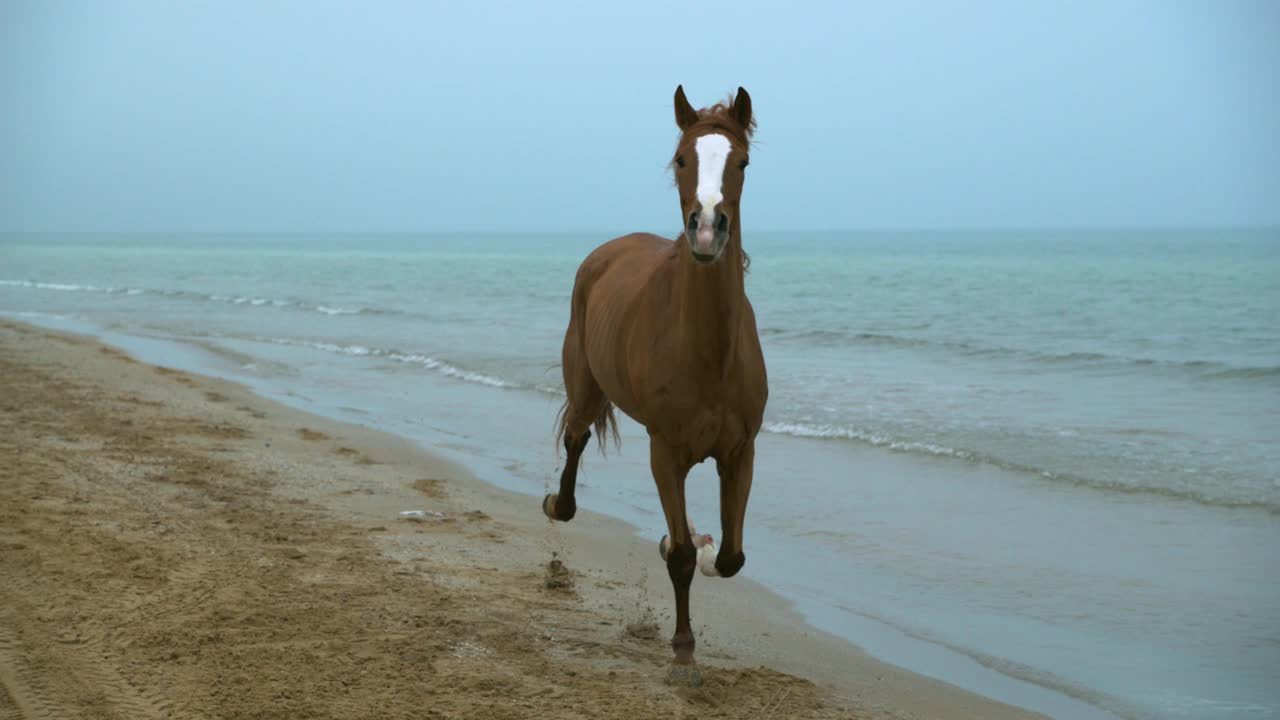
(707, 239)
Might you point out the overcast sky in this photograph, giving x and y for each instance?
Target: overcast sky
(475, 115)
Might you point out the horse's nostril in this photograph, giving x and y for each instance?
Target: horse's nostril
(722, 223)
(693, 221)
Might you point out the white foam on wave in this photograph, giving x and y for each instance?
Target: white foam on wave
(273, 302)
(419, 359)
(357, 350)
(838, 432)
(231, 299)
(32, 314)
(452, 371)
(245, 300)
(1194, 492)
(56, 286)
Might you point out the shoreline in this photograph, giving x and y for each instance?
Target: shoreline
(523, 465)
(618, 583)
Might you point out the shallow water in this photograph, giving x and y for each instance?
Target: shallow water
(1048, 457)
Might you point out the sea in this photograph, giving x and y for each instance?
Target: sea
(1040, 465)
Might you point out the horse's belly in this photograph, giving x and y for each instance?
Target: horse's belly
(705, 429)
(619, 392)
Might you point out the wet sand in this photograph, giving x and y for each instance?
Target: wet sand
(173, 546)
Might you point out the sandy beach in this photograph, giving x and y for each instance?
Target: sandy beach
(173, 546)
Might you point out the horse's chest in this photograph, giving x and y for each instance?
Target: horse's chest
(706, 425)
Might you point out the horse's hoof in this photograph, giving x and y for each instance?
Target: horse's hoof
(684, 675)
(729, 566)
(707, 560)
(549, 508)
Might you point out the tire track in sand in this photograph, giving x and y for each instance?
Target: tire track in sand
(95, 666)
(9, 709)
(25, 691)
(22, 695)
(191, 587)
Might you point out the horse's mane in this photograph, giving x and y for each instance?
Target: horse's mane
(719, 117)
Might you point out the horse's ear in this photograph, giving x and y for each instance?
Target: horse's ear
(741, 111)
(685, 114)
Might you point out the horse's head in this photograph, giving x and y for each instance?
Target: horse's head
(710, 166)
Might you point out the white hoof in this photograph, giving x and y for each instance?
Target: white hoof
(706, 546)
(707, 558)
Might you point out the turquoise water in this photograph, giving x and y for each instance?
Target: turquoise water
(1053, 454)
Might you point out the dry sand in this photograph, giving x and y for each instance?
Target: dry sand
(173, 546)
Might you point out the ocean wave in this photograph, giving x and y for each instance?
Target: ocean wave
(419, 359)
(1212, 369)
(1010, 668)
(189, 295)
(872, 438)
(452, 370)
(1249, 373)
(57, 286)
(883, 440)
(32, 314)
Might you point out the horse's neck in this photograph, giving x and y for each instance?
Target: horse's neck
(710, 298)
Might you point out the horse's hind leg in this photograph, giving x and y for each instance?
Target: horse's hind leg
(563, 506)
(585, 404)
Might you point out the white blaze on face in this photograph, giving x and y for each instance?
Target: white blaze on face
(713, 153)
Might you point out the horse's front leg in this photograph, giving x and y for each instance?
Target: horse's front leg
(669, 473)
(735, 487)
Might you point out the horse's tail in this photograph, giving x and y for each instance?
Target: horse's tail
(562, 420)
(605, 424)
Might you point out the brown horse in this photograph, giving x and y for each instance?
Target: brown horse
(663, 330)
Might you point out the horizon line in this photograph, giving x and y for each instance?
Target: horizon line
(614, 233)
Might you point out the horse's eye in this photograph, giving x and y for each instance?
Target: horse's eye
(679, 161)
(743, 165)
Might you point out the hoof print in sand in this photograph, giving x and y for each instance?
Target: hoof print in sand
(431, 487)
(558, 576)
(643, 630)
(684, 676)
(312, 435)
